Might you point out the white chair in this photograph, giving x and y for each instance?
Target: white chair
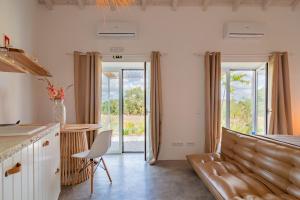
(98, 149)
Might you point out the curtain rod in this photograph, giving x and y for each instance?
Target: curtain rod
(254, 54)
(113, 54)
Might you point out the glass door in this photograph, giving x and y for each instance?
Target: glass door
(244, 97)
(261, 100)
(148, 149)
(242, 101)
(133, 110)
(110, 108)
(123, 105)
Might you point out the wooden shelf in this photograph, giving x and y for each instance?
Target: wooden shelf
(16, 60)
(8, 65)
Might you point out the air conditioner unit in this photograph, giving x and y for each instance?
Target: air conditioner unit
(117, 29)
(244, 30)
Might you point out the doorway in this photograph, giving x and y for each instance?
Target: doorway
(124, 105)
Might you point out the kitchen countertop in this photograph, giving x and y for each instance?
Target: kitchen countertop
(10, 145)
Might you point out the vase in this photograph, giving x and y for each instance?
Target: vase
(59, 112)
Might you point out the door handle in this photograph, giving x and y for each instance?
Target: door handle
(46, 143)
(14, 170)
(57, 171)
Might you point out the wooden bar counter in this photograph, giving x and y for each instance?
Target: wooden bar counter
(73, 139)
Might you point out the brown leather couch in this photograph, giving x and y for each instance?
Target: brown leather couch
(251, 168)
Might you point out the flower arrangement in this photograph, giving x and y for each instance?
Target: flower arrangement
(55, 93)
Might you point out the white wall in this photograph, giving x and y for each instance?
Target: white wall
(16, 90)
(180, 34)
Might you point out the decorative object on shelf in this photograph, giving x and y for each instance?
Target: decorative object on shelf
(6, 41)
(114, 3)
(57, 95)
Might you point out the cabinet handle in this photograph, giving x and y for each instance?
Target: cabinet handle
(46, 143)
(56, 134)
(57, 171)
(14, 170)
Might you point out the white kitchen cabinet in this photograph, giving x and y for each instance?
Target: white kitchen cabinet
(27, 173)
(54, 186)
(47, 167)
(1, 180)
(37, 165)
(30, 173)
(7, 181)
(24, 174)
(34, 171)
(12, 184)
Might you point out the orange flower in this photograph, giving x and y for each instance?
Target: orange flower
(61, 94)
(55, 93)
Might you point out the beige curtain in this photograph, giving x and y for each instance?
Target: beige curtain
(155, 106)
(87, 82)
(212, 101)
(281, 114)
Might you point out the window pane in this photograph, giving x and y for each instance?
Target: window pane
(261, 101)
(223, 100)
(241, 101)
(110, 107)
(134, 111)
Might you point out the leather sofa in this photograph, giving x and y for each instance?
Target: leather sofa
(251, 168)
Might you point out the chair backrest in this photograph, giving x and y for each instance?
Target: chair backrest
(101, 144)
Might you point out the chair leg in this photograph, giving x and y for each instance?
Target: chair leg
(92, 176)
(106, 170)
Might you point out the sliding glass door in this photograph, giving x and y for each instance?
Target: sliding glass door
(111, 107)
(123, 105)
(133, 110)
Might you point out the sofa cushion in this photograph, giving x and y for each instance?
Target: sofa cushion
(232, 180)
(250, 167)
(275, 162)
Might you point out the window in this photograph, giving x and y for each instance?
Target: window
(244, 97)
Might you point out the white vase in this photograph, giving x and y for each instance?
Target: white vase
(59, 112)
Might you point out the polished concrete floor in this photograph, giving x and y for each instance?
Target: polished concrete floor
(134, 179)
(132, 143)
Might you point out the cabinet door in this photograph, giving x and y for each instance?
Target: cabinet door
(27, 173)
(30, 173)
(47, 165)
(57, 159)
(38, 171)
(7, 181)
(52, 153)
(12, 184)
(1, 180)
(17, 178)
(24, 174)
(55, 152)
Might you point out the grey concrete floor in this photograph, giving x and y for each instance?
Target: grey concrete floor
(134, 179)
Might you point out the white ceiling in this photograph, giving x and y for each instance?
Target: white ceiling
(175, 4)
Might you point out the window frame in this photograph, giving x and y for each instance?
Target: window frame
(254, 98)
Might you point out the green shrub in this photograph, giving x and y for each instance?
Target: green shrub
(134, 128)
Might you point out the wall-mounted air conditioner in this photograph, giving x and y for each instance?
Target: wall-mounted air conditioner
(244, 30)
(117, 30)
